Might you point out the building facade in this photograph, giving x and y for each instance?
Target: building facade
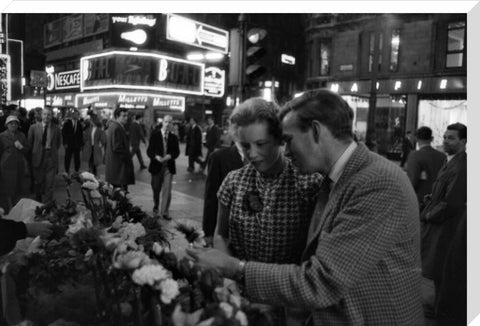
(397, 71)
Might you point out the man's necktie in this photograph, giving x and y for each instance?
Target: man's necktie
(321, 203)
(44, 136)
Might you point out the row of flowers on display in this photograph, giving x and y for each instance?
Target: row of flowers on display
(108, 262)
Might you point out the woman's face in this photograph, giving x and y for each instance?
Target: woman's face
(258, 146)
(12, 126)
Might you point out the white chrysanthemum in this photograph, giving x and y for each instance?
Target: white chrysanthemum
(158, 249)
(87, 176)
(88, 254)
(81, 221)
(149, 274)
(95, 194)
(242, 318)
(169, 290)
(130, 260)
(90, 185)
(235, 300)
(131, 231)
(227, 308)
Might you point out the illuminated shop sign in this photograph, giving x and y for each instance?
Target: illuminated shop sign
(5, 78)
(62, 80)
(214, 82)
(191, 32)
(141, 70)
(60, 100)
(133, 31)
(131, 100)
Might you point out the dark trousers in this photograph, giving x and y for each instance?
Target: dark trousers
(157, 181)
(44, 177)
(69, 151)
(192, 160)
(91, 165)
(136, 151)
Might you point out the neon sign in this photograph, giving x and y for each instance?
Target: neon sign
(141, 70)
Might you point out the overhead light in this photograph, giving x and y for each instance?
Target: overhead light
(334, 88)
(377, 85)
(268, 83)
(419, 85)
(137, 36)
(229, 101)
(277, 84)
(213, 56)
(267, 94)
(195, 56)
(133, 48)
(398, 85)
(298, 94)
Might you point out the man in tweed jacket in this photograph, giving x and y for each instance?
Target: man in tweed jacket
(361, 265)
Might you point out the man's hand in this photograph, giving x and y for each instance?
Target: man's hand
(167, 157)
(159, 158)
(214, 258)
(39, 229)
(18, 145)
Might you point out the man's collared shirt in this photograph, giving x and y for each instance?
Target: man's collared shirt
(337, 169)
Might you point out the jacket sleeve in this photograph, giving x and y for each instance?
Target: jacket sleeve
(150, 148)
(174, 147)
(118, 143)
(10, 232)
(212, 184)
(368, 224)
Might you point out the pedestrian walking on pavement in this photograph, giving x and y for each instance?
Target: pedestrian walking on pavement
(442, 213)
(163, 149)
(45, 139)
(194, 145)
(137, 136)
(72, 132)
(212, 138)
(13, 150)
(95, 141)
(118, 159)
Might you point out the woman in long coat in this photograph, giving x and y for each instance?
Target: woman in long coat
(13, 150)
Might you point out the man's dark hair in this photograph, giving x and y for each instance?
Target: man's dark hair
(118, 111)
(326, 107)
(424, 133)
(138, 116)
(460, 128)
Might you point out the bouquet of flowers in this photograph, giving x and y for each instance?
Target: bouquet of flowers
(108, 262)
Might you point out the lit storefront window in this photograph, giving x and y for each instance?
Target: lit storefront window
(438, 114)
(394, 50)
(390, 125)
(325, 48)
(456, 44)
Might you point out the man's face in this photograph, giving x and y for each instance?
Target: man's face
(123, 117)
(300, 145)
(75, 115)
(46, 116)
(258, 146)
(452, 144)
(167, 123)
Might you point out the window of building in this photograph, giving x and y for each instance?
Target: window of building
(324, 55)
(371, 51)
(380, 51)
(456, 44)
(310, 56)
(395, 47)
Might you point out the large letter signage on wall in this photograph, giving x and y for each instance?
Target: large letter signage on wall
(141, 70)
(191, 32)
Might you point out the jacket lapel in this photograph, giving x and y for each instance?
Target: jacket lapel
(358, 157)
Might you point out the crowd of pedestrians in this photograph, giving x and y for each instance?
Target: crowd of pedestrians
(309, 221)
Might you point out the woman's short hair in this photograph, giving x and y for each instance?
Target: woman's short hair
(256, 110)
(326, 107)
